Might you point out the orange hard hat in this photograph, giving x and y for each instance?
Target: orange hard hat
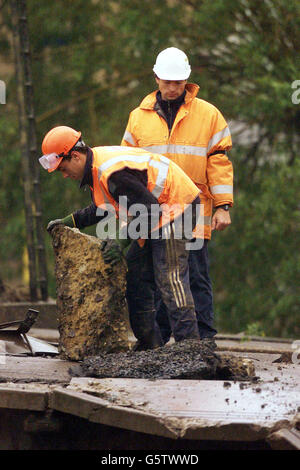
(56, 144)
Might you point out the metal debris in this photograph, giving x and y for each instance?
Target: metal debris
(15, 341)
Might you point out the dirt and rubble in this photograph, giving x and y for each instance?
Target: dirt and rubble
(188, 359)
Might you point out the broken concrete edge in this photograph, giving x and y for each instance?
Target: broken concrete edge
(46, 399)
(220, 431)
(33, 396)
(97, 410)
(286, 438)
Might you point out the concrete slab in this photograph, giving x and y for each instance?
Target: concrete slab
(34, 369)
(267, 346)
(244, 337)
(285, 439)
(184, 409)
(24, 396)
(97, 410)
(188, 409)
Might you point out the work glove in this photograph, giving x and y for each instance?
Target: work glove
(111, 251)
(114, 251)
(68, 221)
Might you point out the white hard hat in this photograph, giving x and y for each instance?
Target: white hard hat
(172, 64)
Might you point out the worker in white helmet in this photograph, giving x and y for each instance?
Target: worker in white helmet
(193, 133)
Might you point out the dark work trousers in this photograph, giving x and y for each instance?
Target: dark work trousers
(201, 289)
(160, 265)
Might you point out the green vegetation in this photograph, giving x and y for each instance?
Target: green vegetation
(92, 63)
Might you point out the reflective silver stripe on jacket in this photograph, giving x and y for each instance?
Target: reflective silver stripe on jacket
(162, 166)
(177, 149)
(120, 158)
(218, 137)
(221, 189)
(128, 137)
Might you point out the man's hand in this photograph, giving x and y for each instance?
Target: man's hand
(111, 251)
(221, 219)
(68, 221)
(53, 223)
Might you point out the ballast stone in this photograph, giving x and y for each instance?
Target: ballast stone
(187, 359)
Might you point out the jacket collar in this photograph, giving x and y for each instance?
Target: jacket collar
(150, 100)
(87, 176)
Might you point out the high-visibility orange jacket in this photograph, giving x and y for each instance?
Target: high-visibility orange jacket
(197, 142)
(165, 180)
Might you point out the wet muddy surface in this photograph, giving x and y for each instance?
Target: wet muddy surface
(189, 359)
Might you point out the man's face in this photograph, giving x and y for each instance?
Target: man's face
(170, 89)
(73, 168)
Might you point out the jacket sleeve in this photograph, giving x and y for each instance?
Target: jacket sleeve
(133, 185)
(87, 216)
(129, 138)
(219, 167)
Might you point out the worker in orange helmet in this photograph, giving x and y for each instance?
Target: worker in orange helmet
(115, 174)
(174, 122)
